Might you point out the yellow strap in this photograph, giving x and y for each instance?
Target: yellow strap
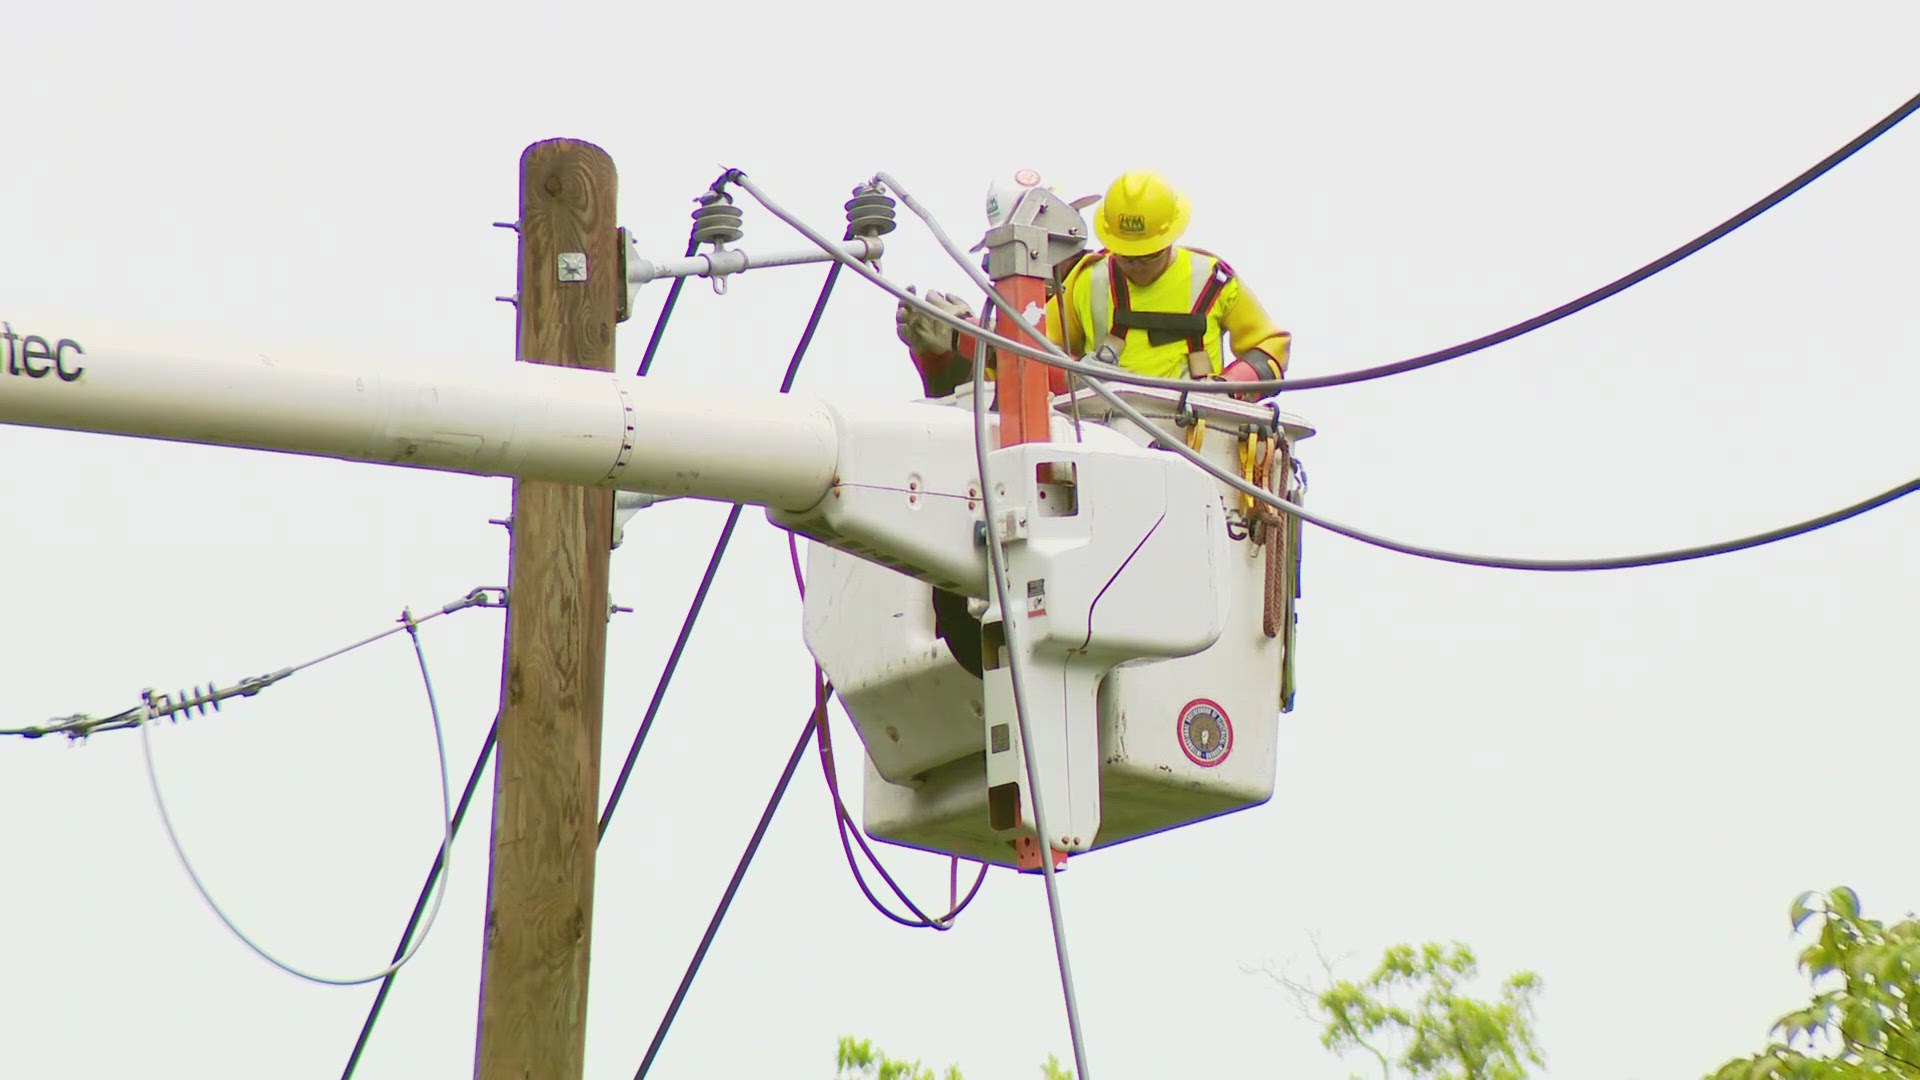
(1249, 463)
(1197, 434)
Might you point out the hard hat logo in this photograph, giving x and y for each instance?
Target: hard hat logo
(1132, 224)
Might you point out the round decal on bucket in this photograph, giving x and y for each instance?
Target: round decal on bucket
(1206, 735)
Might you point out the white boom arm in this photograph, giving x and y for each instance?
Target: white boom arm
(526, 420)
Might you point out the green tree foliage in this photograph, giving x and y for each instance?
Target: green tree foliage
(1864, 1019)
(858, 1060)
(1413, 1019)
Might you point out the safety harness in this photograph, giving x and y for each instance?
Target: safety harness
(1162, 327)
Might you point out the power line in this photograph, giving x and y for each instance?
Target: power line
(1016, 675)
(843, 822)
(666, 313)
(713, 567)
(1506, 562)
(1619, 284)
(446, 844)
(920, 920)
(814, 722)
(155, 706)
(844, 825)
(196, 702)
(816, 726)
(698, 604)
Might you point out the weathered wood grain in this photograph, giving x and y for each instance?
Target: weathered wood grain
(533, 975)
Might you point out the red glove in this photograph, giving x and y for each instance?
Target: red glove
(1242, 371)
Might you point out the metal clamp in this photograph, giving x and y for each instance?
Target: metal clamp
(494, 596)
(1043, 231)
(1183, 414)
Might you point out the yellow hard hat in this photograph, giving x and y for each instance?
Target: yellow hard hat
(1141, 214)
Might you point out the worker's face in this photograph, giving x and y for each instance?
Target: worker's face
(1144, 269)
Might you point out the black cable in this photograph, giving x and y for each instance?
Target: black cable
(1618, 284)
(706, 579)
(813, 323)
(921, 921)
(1659, 558)
(420, 905)
(726, 898)
(793, 761)
(1496, 562)
(666, 312)
(843, 821)
(816, 725)
(673, 662)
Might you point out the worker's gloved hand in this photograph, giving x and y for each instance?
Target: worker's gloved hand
(1241, 371)
(925, 334)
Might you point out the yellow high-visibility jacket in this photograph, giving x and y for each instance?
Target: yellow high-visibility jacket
(1162, 350)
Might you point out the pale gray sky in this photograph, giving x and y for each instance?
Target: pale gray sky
(1618, 781)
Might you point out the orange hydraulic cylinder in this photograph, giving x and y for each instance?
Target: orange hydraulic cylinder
(1024, 394)
(1021, 384)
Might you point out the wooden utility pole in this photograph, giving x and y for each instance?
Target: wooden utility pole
(546, 792)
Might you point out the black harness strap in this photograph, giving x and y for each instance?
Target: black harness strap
(1165, 327)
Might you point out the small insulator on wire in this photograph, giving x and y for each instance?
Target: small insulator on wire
(716, 220)
(870, 211)
(190, 701)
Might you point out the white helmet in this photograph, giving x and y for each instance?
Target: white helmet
(1006, 192)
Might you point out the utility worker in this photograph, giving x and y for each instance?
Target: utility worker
(1145, 303)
